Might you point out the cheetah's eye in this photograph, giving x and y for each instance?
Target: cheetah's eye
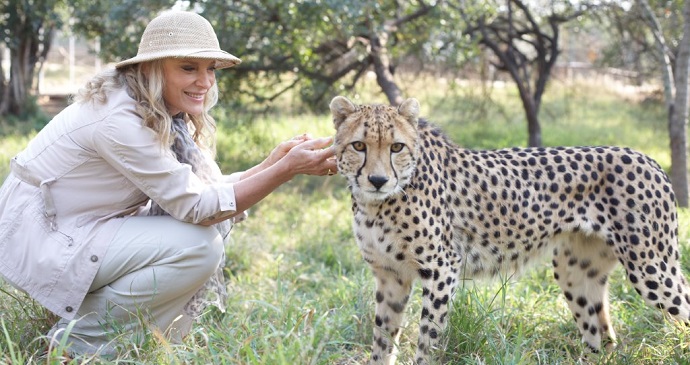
(397, 147)
(359, 146)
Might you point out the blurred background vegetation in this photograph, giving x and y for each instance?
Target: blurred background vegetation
(309, 51)
(313, 50)
(300, 293)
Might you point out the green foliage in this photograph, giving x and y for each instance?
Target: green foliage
(23, 20)
(315, 48)
(301, 294)
(26, 30)
(23, 323)
(31, 118)
(629, 40)
(311, 47)
(10, 145)
(119, 24)
(573, 114)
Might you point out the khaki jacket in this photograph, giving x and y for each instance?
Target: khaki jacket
(74, 185)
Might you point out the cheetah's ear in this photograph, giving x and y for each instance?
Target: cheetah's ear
(410, 110)
(341, 107)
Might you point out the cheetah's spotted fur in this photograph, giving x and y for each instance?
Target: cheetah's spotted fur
(427, 209)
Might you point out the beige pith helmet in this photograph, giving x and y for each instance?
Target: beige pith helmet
(180, 34)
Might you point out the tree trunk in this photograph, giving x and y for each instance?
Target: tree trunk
(678, 121)
(532, 115)
(40, 54)
(3, 85)
(31, 25)
(20, 80)
(676, 96)
(384, 77)
(666, 68)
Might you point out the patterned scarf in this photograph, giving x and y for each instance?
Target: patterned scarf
(185, 149)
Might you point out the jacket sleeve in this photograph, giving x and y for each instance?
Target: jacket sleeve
(233, 178)
(134, 150)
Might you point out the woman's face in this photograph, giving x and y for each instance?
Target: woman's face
(186, 82)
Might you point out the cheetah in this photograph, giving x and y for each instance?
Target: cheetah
(425, 209)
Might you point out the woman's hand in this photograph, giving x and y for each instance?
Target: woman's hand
(283, 148)
(312, 157)
(306, 156)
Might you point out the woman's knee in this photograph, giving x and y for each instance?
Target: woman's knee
(214, 243)
(210, 248)
(163, 241)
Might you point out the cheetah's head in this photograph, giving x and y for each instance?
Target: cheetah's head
(376, 147)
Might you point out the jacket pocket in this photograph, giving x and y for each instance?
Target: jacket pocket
(36, 213)
(31, 255)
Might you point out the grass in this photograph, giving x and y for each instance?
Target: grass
(300, 293)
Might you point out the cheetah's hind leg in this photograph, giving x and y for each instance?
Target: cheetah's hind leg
(582, 265)
(656, 275)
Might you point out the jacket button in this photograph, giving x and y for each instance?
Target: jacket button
(94, 258)
(68, 309)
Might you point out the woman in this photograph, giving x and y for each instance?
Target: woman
(115, 213)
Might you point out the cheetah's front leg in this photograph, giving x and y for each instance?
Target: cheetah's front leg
(392, 295)
(437, 291)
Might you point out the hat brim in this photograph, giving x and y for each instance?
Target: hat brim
(223, 59)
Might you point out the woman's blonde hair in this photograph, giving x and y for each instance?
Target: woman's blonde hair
(144, 82)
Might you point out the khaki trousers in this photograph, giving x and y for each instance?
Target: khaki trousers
(152, 268)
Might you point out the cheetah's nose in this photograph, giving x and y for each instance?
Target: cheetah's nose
(377, 181)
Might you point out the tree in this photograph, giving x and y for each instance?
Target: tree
(678, 128)
(319, 47)
(525, 44)
(676, 96)
(316, 47)
(629, 41)
(27, 29)
(118, 24)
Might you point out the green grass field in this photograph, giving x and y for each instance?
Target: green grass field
(300, 293)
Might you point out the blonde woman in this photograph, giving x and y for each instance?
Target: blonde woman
(116, 209)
